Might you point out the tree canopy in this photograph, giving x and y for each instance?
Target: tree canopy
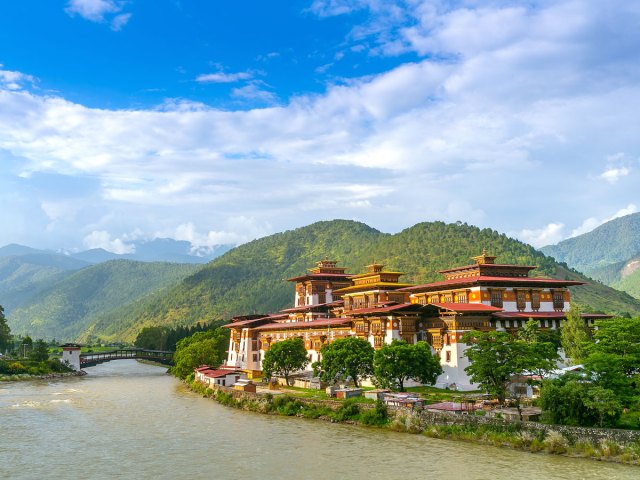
(201, 348)
(5, 332)
(397, 362)
(575, 335)
(284, 358)
(496, 357)
(346, 357)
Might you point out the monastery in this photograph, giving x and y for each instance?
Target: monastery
(375, 305)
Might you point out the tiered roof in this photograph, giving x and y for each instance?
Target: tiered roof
(485, 272)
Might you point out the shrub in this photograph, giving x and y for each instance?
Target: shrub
(377, 416)
(349, 410)
(554, 442)
(16, 367)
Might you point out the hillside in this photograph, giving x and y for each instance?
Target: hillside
(24, 274)
(65, 309)
(608, 254)
(251, 277)
(615, 241)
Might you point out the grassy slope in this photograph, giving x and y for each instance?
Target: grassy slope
(250, 278)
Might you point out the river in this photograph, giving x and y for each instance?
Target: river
(130, 420)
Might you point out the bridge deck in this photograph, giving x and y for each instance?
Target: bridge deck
(89, 359)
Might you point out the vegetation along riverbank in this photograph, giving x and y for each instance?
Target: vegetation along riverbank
(621, 446)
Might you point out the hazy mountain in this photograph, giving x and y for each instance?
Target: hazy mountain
(156, 250)
(23, 276)
(15, 249)
(69, 306)
(251, 277)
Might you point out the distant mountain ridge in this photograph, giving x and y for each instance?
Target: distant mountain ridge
(156, 250)
(609, 254)
(68, 306)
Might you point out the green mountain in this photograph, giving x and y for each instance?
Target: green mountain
(68, 307)
(608, 254)
(615, 241)
(24, 274)
(251, 278)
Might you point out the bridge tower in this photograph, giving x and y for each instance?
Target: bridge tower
(71, 354)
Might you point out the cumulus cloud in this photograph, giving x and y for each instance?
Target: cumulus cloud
(550, 234)
(237, 230)
(499, 121)
(12, 80)
(612, 175)
(102, 239)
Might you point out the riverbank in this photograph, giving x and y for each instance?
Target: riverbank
(619, 446)
(22, 377)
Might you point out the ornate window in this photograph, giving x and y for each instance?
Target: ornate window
(558, 300)
(521, 300)
(496, 298)
(535, 301)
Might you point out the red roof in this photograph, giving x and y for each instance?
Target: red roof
(218, 373)
(488, 265)
(467, 307)
(247, 323)
(323, 322)
(496, 280)
(320, 276)
(543, 315)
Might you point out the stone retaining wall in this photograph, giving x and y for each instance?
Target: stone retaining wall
(425, 419)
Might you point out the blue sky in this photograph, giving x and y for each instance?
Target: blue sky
(222, 121)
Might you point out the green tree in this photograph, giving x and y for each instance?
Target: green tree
(5, 332)
(496, 357)
(570, 400)
(202, 348)
(40, 351)
(607, 371)
(152, 338)
(604, 404)
(620, 337)
(284, 358)
(346, 357)
(575, 335)
(397, 362)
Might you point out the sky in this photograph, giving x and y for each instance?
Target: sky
(221, 121)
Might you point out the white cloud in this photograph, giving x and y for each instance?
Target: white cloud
(12, 80)
(100, 11)
(552, 233)
(221, 77)
(93, 10)
(102, 239)
(612, 175)
(500, 126)
(120, 21)
(254, 91)
(237, 230)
